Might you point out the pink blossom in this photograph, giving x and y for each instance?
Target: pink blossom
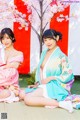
(70, 71)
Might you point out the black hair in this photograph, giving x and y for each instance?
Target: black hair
(9, 32)
(50, 33)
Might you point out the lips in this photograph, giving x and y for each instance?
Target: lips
(6, 43)
(49, 45)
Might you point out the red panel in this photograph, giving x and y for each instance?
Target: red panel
(22, 39)
(63, 28)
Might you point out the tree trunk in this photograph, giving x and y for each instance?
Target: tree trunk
(41, 25)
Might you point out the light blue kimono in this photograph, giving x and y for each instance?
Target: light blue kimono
(57, 65)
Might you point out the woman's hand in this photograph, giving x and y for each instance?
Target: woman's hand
(3, 67)
(45, 81)
(34, 86)
(10, 65)
(31, 86)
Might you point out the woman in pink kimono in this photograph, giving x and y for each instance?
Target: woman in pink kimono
(10, 59)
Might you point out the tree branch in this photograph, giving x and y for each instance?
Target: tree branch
(36, 32)
(44, 27)
(44, 2)
(47, 23)
(36, 11)
(45, 9)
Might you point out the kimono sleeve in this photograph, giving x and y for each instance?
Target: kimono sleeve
(66, 71)
(2, 55)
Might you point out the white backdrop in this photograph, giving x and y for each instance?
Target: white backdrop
(74, 39)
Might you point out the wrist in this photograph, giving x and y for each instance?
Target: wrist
(37, 83)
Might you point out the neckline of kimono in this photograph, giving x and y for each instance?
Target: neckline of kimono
(49, 57)
(12, 58)
(44, 69)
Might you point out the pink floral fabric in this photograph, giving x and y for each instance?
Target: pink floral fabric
(9, 76)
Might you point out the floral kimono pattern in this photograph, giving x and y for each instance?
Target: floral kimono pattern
(2, 61)
(9, 76)
(57, 65)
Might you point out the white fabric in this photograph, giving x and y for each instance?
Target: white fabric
(44, 90)
(10, 99)
(74, 38)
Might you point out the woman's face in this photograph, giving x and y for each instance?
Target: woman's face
(6, 41)
(50, 43)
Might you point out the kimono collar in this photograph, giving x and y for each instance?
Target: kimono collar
(44, 53)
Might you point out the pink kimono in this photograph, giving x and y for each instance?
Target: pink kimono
(9, 76)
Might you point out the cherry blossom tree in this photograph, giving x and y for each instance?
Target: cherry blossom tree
(41, 12)
(9, 12)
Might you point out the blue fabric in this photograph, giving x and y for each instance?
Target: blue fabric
(56, 91)
(28, 90)
(57, 65)
(78, 106)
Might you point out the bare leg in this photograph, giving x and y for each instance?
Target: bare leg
(4, 94)
(36, 98)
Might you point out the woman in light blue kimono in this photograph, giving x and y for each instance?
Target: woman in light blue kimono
(54, 76)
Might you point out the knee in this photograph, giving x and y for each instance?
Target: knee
(27, 99)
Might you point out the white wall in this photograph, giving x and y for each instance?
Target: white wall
(74, 38)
